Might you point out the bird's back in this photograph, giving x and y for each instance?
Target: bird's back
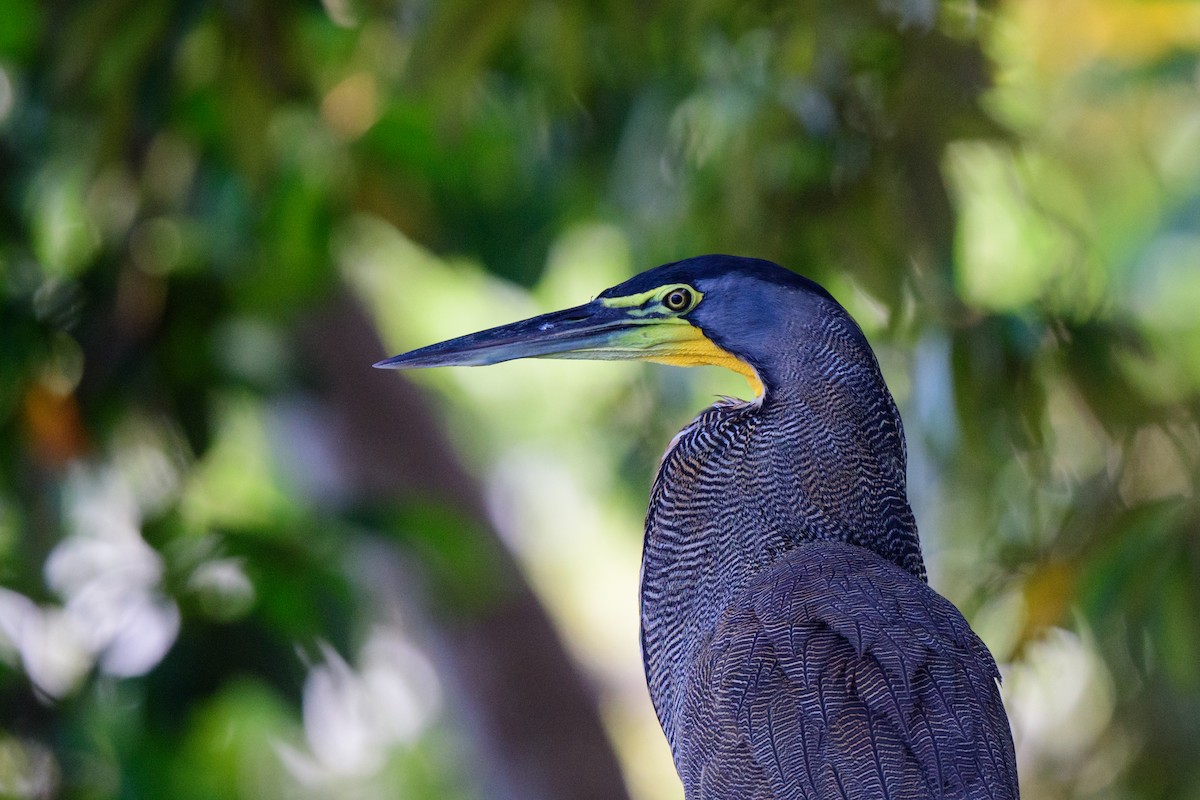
(835, 674)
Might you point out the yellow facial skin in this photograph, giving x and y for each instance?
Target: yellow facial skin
(698, 350)
(686, 346)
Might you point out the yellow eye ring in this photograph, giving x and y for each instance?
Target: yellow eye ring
(678, 299)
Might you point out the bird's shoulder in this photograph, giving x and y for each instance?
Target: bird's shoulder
(836, 674)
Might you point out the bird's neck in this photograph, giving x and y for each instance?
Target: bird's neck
(837, 444)
(840, 450)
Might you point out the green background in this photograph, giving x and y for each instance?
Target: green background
(236, 562)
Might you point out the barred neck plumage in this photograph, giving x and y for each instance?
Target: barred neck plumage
(829, 400)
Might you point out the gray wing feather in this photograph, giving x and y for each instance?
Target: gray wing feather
(838, 675)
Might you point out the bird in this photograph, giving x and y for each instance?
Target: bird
(792, 645)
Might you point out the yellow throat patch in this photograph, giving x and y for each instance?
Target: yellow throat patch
(698, 350)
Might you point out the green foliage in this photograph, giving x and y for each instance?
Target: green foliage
(195, 493)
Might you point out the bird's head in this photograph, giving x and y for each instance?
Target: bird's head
(710, 310)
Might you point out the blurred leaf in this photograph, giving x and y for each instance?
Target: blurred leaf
(21, 28)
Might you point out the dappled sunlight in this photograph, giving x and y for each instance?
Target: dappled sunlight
(581, 542)
(236, 483)
(352, 107)
(1060, 700)
(582, 553)
(1005, 243)
(413, 292)
(27, 769)
(7, 95)
(1072, 35)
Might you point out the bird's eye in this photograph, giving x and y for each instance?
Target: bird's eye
(678, 299)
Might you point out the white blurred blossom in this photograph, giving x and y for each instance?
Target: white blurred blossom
(355, 718)
(113, 612)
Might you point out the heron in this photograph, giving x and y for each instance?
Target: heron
(792, 645)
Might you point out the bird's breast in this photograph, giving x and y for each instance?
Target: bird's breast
(707, 530)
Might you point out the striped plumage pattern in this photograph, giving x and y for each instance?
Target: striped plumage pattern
(792, 646)
(842, 677)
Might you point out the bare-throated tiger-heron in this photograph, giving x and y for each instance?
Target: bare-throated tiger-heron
(792, 645)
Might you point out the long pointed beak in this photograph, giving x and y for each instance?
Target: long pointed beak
(591, 331)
